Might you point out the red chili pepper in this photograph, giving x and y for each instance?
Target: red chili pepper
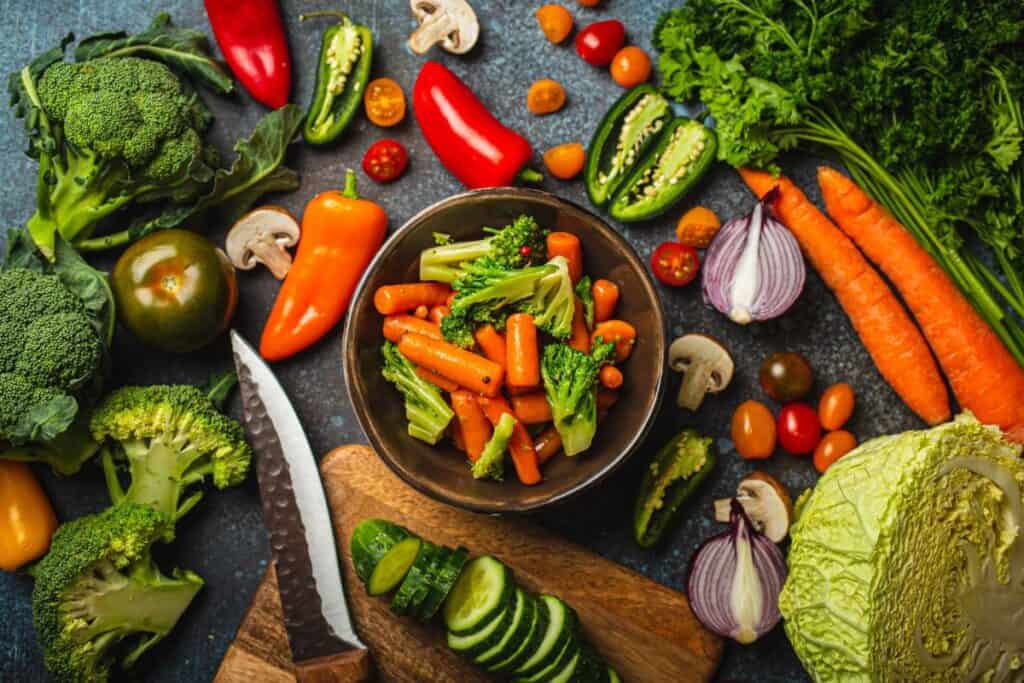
(386, 160)
(473, 145)
(251, 36)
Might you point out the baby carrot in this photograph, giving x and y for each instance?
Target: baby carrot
(421, 312)
(900, 352)
(476, 428)
(520, 446)
(606, 298)
(983, 374)
(395, 326)
(610, 376)
(437, 313)
(547, 444)
(531, 408)
(465, 368)
(567, 245)
(523, 365)
(407, 297)
(492, 343)
(618, 332)
(580, 337)
(437, 380)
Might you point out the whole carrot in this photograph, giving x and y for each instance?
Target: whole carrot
(984, 376)
(460, 366)
(579, 338)
(407, 297)
(531, 408)
(899, 351)
(520, 446)
(437, 380)
(606, 298)
(568, 245)
(523, 365)
(476, 428)
(492, 343)
(396, 326)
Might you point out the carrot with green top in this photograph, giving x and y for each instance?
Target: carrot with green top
(476, 428)
(520, 446)
(895, 344)
(465, 368)
(407, 297)
(397, 326)
(523, 365)
(492, 343)
(531, 409)
(568, 245)
(606, 298)
(985, 377)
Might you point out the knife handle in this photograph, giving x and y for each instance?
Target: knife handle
(353, 666)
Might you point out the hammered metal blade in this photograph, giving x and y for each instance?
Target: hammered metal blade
(295, 513)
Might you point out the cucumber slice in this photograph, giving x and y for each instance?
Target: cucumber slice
(414, 588)
(560, 631)
(613, 676)
(382, 553)
(530, 642)
(482, 639)
(566, 653)
(482, 592)
(516, 632)
(568, 670)
(590, 668)
(442, 581)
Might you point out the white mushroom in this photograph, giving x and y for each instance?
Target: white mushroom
(706, 365)
(452, 23)
(262, 236)
(766, 502)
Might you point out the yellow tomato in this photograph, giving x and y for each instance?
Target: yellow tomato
(384, 102)
(565, 161)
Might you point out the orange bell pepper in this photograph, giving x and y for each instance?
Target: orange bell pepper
(27, 520)
(340, 235)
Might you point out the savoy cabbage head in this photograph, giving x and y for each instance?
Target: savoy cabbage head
(907, 562)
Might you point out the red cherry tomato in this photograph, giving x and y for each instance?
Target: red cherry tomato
(598, 42)
(675, 264)
(799, 429)
(386, 160)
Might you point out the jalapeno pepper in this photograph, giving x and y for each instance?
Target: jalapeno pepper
(465, 136)
(679, 159)
(346, 53)
(628, 130)
(672, 477)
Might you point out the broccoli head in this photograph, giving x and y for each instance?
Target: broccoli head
(553, 303)
(99, 599)
(570, 382)
(425, 408)
(517, 245)
(491, 463)
(172, 438)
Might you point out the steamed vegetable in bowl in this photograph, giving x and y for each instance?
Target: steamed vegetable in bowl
(520, 340)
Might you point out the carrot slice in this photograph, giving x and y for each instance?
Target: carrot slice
(465, 368)
(397, 326)
(532, 408)
(548, 444)
(476, 428)
(520, 445)
(408, 297)
(567, 245)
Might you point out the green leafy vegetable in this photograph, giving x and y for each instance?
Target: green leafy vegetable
(425, 408)
(491, 463)
(570, 382)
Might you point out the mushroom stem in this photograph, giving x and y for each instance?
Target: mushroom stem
(435, 28)
(272, 254)
(694, 386)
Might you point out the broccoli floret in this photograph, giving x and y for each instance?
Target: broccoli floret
(517, 245)
(584, 290)
(172, 437)
(491, 463)
(99, 600)
(570, 382)
(553, 302)
(125, 130)
(61, 351)
(425, 407)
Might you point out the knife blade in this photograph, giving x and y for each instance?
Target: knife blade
(295, 512)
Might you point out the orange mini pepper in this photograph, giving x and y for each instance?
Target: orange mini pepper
(340, 235)
(27, 520)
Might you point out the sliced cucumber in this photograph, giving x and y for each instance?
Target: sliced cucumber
(482, 639)
(613, 676)
(566, 653)
(560, 631)
(414, 588)
(382, 553)
(512, 638)
(530, 643)
(482, 592)
(568, 670)
(590, 668)
(442, 580)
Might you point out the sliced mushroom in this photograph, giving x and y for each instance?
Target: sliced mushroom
(262, 236)
(766, 502)
(452, 23)
(706, 365)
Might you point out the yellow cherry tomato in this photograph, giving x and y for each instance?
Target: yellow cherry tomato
(834, 446)
(630, 67)
(555, 21)
(753, 431)
(545, 97)
(384, 102)
(698, 227)
(565, 161)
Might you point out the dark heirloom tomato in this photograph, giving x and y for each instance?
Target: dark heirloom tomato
(175, 290)
(786, 376)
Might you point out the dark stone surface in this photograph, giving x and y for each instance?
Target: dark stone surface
(223, 540)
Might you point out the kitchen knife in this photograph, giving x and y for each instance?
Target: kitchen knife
(324, 644)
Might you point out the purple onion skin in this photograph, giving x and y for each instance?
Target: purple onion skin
(780, 265)
(709, 586)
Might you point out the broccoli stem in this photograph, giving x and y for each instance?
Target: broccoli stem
(160, 470)
(440, 264)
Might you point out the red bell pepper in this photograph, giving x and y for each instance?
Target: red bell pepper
(251, 36)
(473, 145)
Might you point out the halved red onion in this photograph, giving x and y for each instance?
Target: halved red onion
(753, 269)
(735, 581)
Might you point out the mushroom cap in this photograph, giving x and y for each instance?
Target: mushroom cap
(702, 348)
(264, 224)
(452, 23)
(766, 502)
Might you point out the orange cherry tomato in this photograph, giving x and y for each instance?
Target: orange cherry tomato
(610, 376)
(545, 97)
(753, 430)
(555, 21)
(384, 102)
(834, 446)
(630, 67)
(836, 406)
(697, 227)
(565, 161)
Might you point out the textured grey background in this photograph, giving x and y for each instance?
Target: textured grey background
(223, 540)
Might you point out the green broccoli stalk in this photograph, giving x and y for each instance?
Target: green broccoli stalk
(425, 407)
(172, 438)
(517, 245)
(553, 303)
(570, 382)
(491, 463)
(584, 290)
(99, 600)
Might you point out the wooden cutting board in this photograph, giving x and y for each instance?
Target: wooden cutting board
(645, 630)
